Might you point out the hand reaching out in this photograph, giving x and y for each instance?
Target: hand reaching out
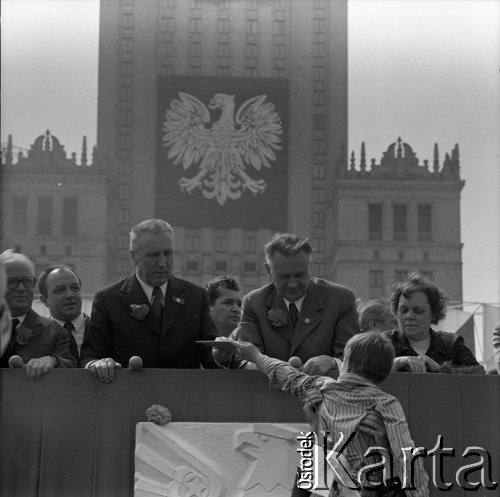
(247, 350)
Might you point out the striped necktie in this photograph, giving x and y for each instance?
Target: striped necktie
(73, 347)
(294, 314)
(156, 305)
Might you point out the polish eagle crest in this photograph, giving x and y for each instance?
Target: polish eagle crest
(224, 149)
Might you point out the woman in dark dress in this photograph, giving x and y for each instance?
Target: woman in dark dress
(418, 303)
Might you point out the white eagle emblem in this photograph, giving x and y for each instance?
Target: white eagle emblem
(224, 149)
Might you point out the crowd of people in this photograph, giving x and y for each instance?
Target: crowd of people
(301, 331)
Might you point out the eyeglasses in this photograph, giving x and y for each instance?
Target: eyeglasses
(28, 282)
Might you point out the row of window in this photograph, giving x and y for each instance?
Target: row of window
(45, 216)
(400, 222)
(376, 277)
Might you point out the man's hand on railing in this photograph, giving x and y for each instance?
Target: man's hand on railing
(104, 369)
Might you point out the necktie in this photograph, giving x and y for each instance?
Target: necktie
(73, 347)
(156, 305)
(294, 314)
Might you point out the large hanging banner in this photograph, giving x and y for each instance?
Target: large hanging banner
(222, 152)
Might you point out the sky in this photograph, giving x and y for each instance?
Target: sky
(427, 71)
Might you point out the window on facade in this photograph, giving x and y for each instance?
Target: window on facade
(279, 26)
(123, 241)
(222, 70)
(195, 25)
(376, 279)
(424, 222)
(69, 215)
(249, 244)
(19, 215)
(223, 4)
(196, 4)
(400, 275)
(126, 117)
(128, 20)
(279, 51)
(280, 5)
(223, 25)
(249, 267)
(195, 49)
(319, 97)
(320, 269)
(127, 45)
(252, 26)
(124, 192)
(319, 145)
(192, 243)
(223, 49)
(195, 70)
(319, 25)
(127, 68)
(126, 93)
(44, 225)
(279, 72)
(251, 4)
(192, 265)
(250, 72)
(319, 167)
(221, 266)
(319, 49)
(318, 219)
(399, 213)
(318, 195)
(221, 243)
(319, 244)
(125, 143)
(319, 122)
(123, 216)
(168, 24)
(167, 49)
(319, 73)
(375, 221)
(251, 50)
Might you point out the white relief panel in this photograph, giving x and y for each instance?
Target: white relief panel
(216, 459)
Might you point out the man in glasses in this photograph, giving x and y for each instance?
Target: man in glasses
(40, 342)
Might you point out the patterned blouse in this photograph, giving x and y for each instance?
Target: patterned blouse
(447, 349)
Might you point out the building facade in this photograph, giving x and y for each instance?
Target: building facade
(228, 119)
(397, 217)
(293, 51)
(54, 209)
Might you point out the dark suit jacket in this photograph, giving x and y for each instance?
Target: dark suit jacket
(48, 338)
(328, 319)
(114, 332)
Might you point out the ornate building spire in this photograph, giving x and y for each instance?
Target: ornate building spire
(436, 158)
(399, 152)
(363, 157)
(84, 151)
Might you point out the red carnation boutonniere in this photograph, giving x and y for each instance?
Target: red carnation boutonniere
(23, 334)
(139, 311)
(277, 317)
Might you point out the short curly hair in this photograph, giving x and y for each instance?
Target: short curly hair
(438, 300)
(213, 287)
